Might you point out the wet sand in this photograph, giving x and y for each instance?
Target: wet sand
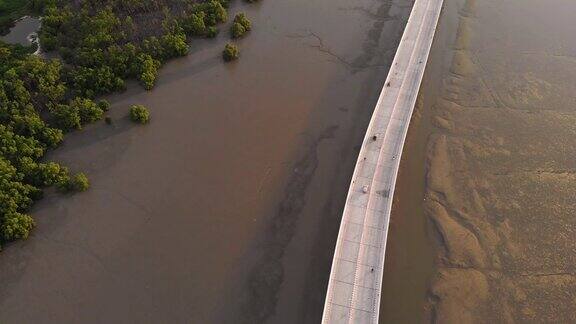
(225, 208)
(500, 167)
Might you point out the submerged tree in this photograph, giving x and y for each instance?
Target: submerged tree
(237, 30)
(243, 20)
(79, 182)
(139, 114)
(240, 26)
(231, 52)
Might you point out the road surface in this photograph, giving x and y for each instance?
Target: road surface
(356, 277)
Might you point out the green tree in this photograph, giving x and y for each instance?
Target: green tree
(104, 105)
(148, 70)
(66, 117)
(139, 114)
(88, 110)
(153, 47)
(194, 24)
(174, 45)
(122, 59)
(15, 197)
(43, 78)
(13, 146)
(230, 53)
(214, 12)
(15, 226)
(51, 137)
(241, 19)
(42, 174)
(79, 182)
(212, 32)
(91, 82)
(237, 30)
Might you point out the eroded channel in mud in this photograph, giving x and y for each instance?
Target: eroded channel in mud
(499, 181)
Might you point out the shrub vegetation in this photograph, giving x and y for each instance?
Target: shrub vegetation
(139, 114)
(243, 20)
(231, 52)
(240, 26)
(237, 30)
(79, 182)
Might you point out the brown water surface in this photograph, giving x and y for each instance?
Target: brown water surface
(225, 208)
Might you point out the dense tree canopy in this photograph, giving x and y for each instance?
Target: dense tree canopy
(108, 41)
(35, 110)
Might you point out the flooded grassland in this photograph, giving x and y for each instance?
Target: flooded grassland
(501, 167)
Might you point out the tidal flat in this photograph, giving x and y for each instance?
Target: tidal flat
(500, 170)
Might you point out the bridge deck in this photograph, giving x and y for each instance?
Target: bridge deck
(356, 278)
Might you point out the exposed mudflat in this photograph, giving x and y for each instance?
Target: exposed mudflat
(226, 207)
(501, 167)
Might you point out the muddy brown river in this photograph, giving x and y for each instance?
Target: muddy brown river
(226, 207)
(491, 158)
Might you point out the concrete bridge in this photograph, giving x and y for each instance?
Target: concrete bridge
(356, 277)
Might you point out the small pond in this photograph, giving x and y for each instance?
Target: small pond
(23, 32)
